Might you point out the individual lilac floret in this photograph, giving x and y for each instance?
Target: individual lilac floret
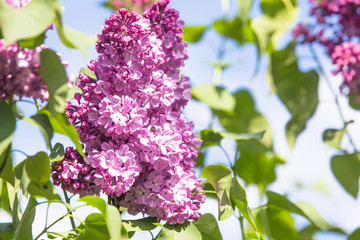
(19, 72)
(74, 174)
(130, 120)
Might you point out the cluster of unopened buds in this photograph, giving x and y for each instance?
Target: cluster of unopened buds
(140, 148)
(336, 27)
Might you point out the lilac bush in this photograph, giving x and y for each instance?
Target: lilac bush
(140, 147)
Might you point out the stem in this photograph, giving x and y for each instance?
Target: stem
(243, 232)
(227, 156)
(336, 97)
(204, 191)
(70, 212)
(16, 150)
(47, 214)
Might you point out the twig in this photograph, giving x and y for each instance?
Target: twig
(327, 80)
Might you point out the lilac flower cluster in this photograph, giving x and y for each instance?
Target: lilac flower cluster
(337, 28)
(18, 3)
(136, 5)
(19, 72)
(74, 174)
(137, 141)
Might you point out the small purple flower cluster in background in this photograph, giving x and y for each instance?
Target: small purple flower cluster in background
(337, 28)
(141, 149)
(19, 72)
(74, 174)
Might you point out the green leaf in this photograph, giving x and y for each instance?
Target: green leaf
(308, 232)
(45, 190)
(276, 223)
(297, 90)
(145, 224)
(333, 137)
(65, 235)
(211, 137)
(270, 30)
(355, 235)
(61, 124)
(96, 202)
(7, 126)
(4, 197)
(42, 122)
(33, 42)
(97, 221)
(302, 208)
(79, 40)
(346, 169)
(208, 227)
(37, 168)
(72, 38)
(91, 234)
(244, 118)
(6, 166)
(219, 177)
(183, 231)
(238, 196)
(26, 22)
(23, 229)
(53, 73)
(235, 29)
(113, 222)
(193, 34)
(256, 163)
(21, 174)
(244, 8)
(353, 101)
(216, 97)
(273, 7)
(57, 153)
(6, 227)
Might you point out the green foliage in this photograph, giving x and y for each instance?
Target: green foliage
(346, 169)
(57, 153)
(193, 34)
(7, 123)
(111, 215)
(276, 223)
(26, 22)
(355, 235)
(244, 8)
(297, 90)
(238, 196)
(208, 227)
(23, 230)
(301, 208)
(37, 167)
(235, 29)
(220, 178)
(333, 137)
(54, 75)
(218, 98)
(244, 118)
(70, 37)
(6, 166)
(183, 231)
(211, 137)
(61, 124)
(145, 224)
(256, 163)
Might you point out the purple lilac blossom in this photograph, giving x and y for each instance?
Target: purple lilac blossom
(74, 174)
(19, 72)
(336, 27)
(137, 141)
